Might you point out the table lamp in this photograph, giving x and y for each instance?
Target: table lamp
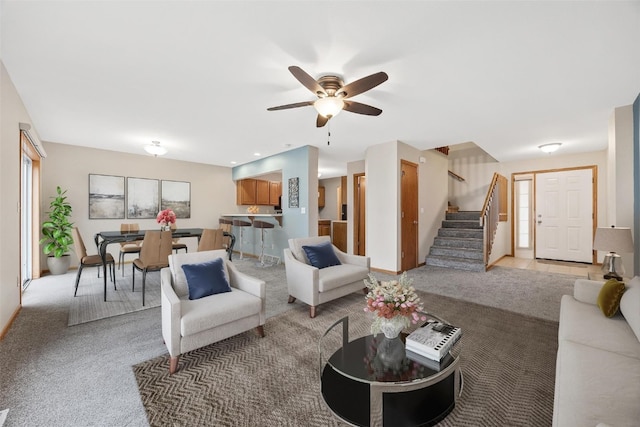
(613, 239)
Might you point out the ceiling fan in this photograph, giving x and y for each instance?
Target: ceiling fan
(333, 95)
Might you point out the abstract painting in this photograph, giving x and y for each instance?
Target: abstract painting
(106, 196)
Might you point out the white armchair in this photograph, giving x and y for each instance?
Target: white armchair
(315, 286)
(191, 324)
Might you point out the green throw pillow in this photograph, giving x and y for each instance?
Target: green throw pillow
(609, 297)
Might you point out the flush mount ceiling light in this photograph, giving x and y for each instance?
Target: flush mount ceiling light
(550, 148)
(155, 149)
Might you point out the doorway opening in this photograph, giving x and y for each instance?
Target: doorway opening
(359, 209)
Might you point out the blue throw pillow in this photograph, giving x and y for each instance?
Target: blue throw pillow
(206, 278)
(322, 255)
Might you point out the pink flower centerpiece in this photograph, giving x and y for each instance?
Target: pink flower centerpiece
(165, 218)
(395, 304)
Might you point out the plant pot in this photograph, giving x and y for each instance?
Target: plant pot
(58, 265)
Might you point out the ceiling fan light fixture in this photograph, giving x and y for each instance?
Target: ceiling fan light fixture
(155, 149)
(329, 106)
(550, 148)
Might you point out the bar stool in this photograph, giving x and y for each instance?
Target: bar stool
(225, 225)
(240, 223)
(262, 225)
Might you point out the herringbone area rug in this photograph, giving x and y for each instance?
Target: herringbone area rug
(507, 359)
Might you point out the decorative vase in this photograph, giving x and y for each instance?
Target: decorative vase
(164, 227)
(392, 327)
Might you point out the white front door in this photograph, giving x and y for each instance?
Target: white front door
(564, 215)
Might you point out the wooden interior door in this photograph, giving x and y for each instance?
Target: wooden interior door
(359, 220)
(409, 215)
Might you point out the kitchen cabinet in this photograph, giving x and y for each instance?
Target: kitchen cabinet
(262, 192)
(324, 227)
(339, 234)
(252, 191)
(246, 192)
(343, 190)
(275, 191)
(321, 197)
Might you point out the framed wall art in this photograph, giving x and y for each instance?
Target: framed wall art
(142, 198)
(106, 196)
(176, 195)
(294, 192)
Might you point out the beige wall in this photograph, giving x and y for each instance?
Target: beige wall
(434, 189)
(212, 189)
(330, 210)
(12, 112)
(383, 166)
(619, 198)
(382, 208)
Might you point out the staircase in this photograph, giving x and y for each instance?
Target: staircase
(459, 243)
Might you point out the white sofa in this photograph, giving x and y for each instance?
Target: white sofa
(315, 286)
(191, 324)
(598, 363)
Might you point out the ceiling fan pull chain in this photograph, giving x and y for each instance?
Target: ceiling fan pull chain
(329, 133)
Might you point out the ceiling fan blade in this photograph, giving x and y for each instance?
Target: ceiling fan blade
(362, 85)
(357, 107)
(287, 106)
(307, 81)
(321, 121)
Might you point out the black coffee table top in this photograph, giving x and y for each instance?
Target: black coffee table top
(376, 358)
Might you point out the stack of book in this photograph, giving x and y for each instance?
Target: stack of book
(433, 340)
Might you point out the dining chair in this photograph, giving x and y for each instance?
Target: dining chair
(176, 245)
(128, 247)
(226, 226)
(154, 255)
(211, 239)
(90, 260)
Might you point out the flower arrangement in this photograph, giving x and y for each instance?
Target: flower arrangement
(165, 218)
(391, 300)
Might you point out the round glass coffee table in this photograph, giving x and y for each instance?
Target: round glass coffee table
(370, 381)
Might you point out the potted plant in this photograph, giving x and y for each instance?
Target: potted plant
(57, 234)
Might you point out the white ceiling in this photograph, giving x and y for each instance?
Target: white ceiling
(199, 75)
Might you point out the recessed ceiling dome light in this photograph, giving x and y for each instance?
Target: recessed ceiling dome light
(155, 149)
(257, 154)
(550, 148)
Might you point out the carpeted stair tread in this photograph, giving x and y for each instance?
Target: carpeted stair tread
(457, 263)
(458, 242)
(461, 232)
(464, 215)
(465, 253)
(466, 224)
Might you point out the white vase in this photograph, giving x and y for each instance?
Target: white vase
(391, 328)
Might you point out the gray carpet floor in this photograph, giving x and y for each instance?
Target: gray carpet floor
(56, 375)
(508, 376)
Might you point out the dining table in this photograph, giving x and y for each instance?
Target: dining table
(105, 238)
